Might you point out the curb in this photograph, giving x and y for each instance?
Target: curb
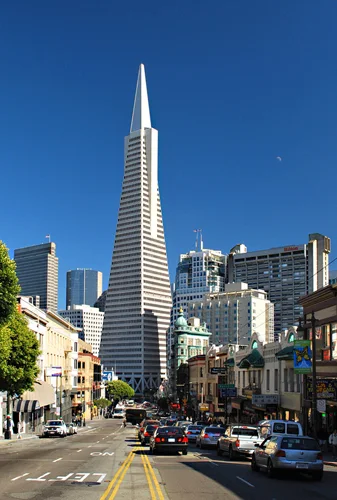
(332, 464)
(13, 441)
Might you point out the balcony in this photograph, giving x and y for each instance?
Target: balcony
(249, 391)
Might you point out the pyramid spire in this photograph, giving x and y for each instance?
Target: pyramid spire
(141, 111)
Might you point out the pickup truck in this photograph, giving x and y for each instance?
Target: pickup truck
(239, 440)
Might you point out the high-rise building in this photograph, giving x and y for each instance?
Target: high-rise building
(37, 270)
(138, 304)
(285, 273)
(235, 314)
(90, 320)
(100, 302)
(84, 286)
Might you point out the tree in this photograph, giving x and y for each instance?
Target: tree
(102, 402)
(119, 389)
(9, 285)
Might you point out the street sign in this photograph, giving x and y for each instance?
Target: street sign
(264, 399)
(321, 405)
(107, 376)
(203, 407)
(226, 386)
(229, 392)
(218, 369)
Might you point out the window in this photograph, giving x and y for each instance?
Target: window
(268, 380)
(243, 379)
(238, 379)
(201, 372)
(285, 377)
(79, 364)
(291, 380)
(276, 379)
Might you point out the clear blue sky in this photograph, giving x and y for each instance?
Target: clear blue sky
(232, 85)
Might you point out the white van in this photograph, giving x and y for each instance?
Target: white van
(280, 427)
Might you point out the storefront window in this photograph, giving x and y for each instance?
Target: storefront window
(334, 340)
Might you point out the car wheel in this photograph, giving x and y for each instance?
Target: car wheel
(317, 476)
(231, 453)
(270, 469)
(254, 465)
(219, 451)
(184, 452)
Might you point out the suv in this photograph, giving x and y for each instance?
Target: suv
(239, 439)
(55, 428)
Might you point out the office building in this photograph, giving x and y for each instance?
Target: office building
(235, 314)
(84, 286)
(37, 270)
(100, 302)
(138, 304)
(285, 273)
(90, 320)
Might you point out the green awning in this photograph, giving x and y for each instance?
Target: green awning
(286, 353)
(229, 362)
(253, 360)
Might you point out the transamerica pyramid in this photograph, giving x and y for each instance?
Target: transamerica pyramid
(138, 304)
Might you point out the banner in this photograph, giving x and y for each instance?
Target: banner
(302, 356)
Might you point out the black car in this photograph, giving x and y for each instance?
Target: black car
(148, 432)
(169, 439)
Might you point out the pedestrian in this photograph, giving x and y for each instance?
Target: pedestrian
(333, 442)
(321, 436)
(8, 427)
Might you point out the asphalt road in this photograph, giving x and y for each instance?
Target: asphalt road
(105, 462)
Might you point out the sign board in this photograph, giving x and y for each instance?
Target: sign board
(264, 399)
(326, 388)
(107, 376)
(218, 369)
(228, 392)
(302, 356)
(203, 407)
(54, 371)
(321, 405)
(226, 386)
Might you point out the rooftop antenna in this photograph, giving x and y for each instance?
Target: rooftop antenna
(198, 239)
(48, 237)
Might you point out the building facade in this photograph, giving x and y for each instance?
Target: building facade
(37, 271)
(235, 314)
(89, 320)
(138, 304)
(285, 273)
(84, 286)
(100, 302)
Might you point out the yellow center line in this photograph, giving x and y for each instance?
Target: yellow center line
(152, 492)
(154, 478)
(119, 482)
(127, 461)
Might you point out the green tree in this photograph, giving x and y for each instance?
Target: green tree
(9, 285)
(119, 389)
(102, 402)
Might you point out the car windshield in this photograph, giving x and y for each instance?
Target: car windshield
(118, 411)
(171, 431)
(54, 422)
(292, 429)
(299, 444)
(245, 431)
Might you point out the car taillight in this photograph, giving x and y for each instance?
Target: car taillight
(157, 440)
(185, 439)
(189, 432)
(280, 453)
(319, 456)
(237, 443)
(206, 436)
(146, 434)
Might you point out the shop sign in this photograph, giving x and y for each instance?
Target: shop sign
(217, 369)
(227, 392)
(326, 388)
(264, 399)
(302, 356)
(203, 407)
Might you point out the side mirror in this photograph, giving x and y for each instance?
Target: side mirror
(257, 446)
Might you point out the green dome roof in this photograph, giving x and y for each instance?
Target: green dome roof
(181, 321)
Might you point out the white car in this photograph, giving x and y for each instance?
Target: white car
(55, 428)
(118, 413)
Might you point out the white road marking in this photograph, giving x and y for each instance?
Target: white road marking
(97, 441)
(90, 446)
(57, 460)
(38, 478)
(19, 477)
(78, 451)
(244, 481)
(101, 478)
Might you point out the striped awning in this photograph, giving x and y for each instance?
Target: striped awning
(26, 405)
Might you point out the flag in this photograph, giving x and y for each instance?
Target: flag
(47, 235)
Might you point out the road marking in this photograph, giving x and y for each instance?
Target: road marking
(244, 481)
(19, 477)
(100, 453)
(40, 478)
(78, 451)
(153, 495)
(57, 460)
(97, 441)
(90, 446)
(125, 465)
(154, 478)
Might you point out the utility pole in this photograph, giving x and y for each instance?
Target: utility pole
(314, 378)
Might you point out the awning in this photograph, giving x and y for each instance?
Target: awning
(286, 353)
(26, 405)
(229, 362)
(254, 360)
(43, 392)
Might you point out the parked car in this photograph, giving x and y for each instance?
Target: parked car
(239, 440)
(192, 432)
(118, 413)
(301, 454)
(209, 436)
(71, 429)
(148, 432)
(169, 439)
(280, 428)
(55, 428)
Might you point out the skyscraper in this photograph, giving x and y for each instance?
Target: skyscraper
(138, 304)
(37, 270)
(84, 286)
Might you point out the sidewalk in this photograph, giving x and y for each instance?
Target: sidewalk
(328, 460)
(26, 437)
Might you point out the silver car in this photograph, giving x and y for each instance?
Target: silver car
(301, 454)
(209, 436)
(192, 432)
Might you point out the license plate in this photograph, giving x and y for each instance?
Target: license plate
(51, 432)
(171, 440)
(302, 466)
